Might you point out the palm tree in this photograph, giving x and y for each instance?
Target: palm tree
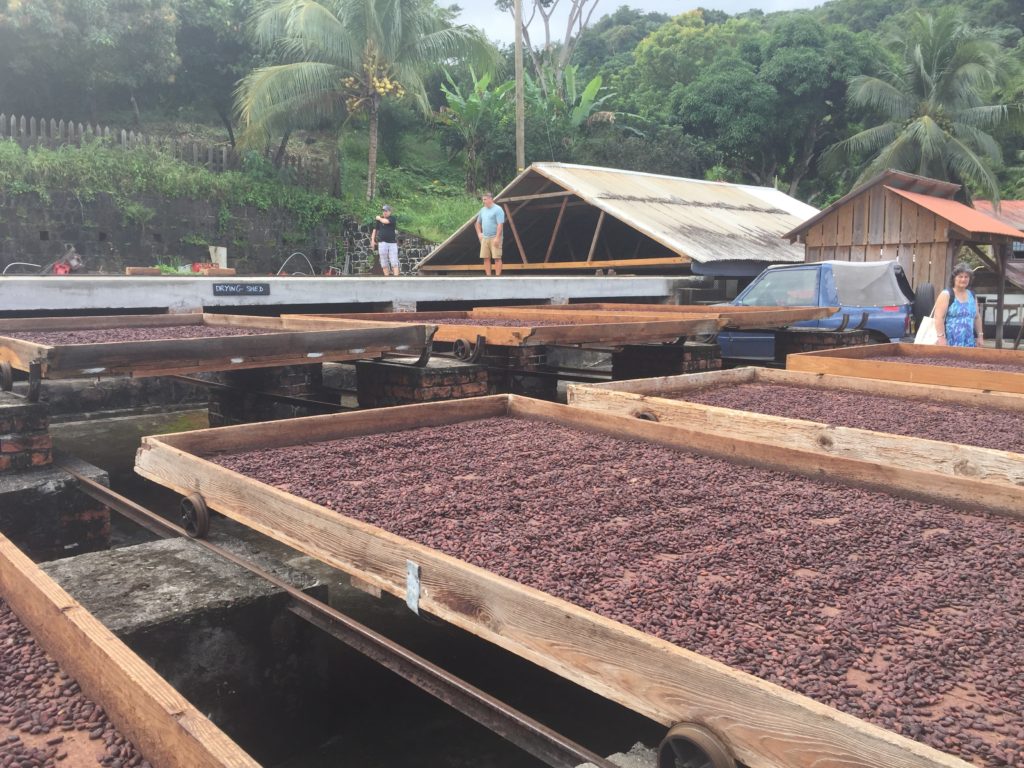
(935, 107)
(344, 57)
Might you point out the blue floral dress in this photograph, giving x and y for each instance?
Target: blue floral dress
(960, 320)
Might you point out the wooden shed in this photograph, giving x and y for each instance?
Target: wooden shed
(910, 219)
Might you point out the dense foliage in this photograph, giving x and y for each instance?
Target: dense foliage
(931, 86)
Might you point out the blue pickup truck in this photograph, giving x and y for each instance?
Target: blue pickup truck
(875, 296)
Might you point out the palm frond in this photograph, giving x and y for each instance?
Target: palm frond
(877, 94)
(980, 142)
(968, 166)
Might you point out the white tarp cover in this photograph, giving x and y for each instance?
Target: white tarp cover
(865, 284)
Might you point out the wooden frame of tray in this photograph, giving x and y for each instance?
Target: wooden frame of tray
(292, 341)
(579, 328)
(764, 724)
(731, 316)
(161, 722)
(857, 361)
(910, 465)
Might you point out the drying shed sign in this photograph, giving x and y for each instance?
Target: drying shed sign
(241, 289)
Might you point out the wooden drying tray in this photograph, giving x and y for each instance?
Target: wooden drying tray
(165, 727)
(763, 724)
(580, 328)
(731, 316)
(290, 341)
(861, 362)
(977, 477)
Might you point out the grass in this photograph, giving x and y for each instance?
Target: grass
(424, 189)
(423, 186)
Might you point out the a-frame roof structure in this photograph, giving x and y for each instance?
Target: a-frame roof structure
(574, 217)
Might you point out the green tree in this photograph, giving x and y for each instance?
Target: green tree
(215, 54)
(69, 56)
(472, 117)
(342, 57)
(933, 113)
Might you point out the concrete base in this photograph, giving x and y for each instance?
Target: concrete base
(638, 756)
(790, 341)
(111, 443)
(243, 403)
(650, 360)
(45, 514)
(72, 399)
(217, 633)
(393, 382)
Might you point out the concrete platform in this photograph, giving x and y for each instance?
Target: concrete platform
(74, 295)
(220, 635)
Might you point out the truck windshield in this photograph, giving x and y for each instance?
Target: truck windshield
(785, 288)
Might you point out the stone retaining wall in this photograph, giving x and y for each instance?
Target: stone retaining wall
(178, 232)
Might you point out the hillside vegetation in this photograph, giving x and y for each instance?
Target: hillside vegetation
(807, 101)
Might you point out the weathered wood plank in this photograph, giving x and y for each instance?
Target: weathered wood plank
(765, 725)
(857, 361)
(296, 342)
(940, 471)
(165, 727)
(556, 265)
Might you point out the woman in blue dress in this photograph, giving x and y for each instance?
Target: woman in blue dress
(957, 320)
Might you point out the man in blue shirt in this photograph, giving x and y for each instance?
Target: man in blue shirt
(489, 223)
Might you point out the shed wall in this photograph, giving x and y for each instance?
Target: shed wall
(880, 225)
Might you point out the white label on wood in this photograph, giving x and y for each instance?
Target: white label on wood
(412, 586)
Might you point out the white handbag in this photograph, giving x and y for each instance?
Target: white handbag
(926, 333)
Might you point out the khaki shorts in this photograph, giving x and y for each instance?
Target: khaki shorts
(490, 248)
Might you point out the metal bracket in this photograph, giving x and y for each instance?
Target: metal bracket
(468, 352)
(412, 586)
(863, 321)
(424, 357)
(35, 381)
(6, 376)
(842, 325)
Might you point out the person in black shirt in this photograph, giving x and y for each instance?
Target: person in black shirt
(385, 237)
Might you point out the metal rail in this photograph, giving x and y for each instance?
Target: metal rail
(515, 726)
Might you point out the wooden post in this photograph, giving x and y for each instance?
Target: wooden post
(554, 233)
(597, 234)
(1002, 254)
(515, 233)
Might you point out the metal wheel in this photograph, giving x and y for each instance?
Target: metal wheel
(462, 349)
(6, 376)
(195, 517)
(688, 745)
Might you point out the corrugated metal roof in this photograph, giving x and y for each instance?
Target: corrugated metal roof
(1010, 211)
(702, 220)
(961, 216)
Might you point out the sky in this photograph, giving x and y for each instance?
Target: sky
(498, 25)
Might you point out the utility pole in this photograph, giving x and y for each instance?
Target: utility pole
(520, 96)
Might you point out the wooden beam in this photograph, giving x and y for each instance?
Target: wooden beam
(554, 232)
(984, 257)
(764, 724)
(515, 233)
(857, 361)
(166, 728)
(597, 234)
(658, 262)
(515, 199)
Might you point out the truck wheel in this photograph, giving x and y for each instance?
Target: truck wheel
(924, 300)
